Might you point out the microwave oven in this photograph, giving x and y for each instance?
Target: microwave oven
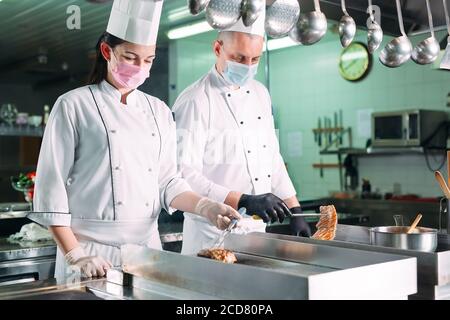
(410, 128)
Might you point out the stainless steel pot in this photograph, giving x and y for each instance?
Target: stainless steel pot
(422, 239)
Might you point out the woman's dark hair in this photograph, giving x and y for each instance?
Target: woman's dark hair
(100, 68)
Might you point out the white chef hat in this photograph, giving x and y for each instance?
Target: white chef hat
(257, 28)
(135, 21)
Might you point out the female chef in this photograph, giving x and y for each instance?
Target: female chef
(107, 164)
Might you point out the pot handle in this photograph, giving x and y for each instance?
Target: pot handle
(398, 218)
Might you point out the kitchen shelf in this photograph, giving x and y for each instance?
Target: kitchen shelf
(371, 152)
(21, 131)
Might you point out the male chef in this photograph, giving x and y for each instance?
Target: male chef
(227, 144)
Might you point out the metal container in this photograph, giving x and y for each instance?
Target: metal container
(423, 239)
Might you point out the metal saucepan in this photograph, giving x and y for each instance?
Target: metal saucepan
(421, 239)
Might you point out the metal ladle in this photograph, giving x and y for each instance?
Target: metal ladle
(222, 14)
(398, 50)
(427, 50)
(445, 62)
(281, 17)
(310, 27)
(347, 27)
(197, 6)
(375, 33)
(250, 10)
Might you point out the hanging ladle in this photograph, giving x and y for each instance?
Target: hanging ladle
(427, 50)
(197, 6)
(347, 27)
(251, 10)
(445, 62)
(398, 50)
(310, 27)
(375, 33)
(281, 16)
(222, 14)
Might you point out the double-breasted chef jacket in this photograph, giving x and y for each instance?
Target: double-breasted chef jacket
(227, 142)
(107, 169)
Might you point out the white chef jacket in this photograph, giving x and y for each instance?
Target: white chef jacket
(227, 142)
(107, 169)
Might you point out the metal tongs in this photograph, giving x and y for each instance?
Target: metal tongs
(227, 231)
(292, 215)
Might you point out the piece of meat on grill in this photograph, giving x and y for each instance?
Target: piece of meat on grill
(326, 227)
(222, 255)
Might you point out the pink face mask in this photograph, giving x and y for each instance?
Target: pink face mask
(128, 75)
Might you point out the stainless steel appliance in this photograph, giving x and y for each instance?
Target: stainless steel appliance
(433, 268)
(290, 270)
(22, 261)
(26, 262)
(409, 128)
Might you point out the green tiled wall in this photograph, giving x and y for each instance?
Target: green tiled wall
(305, 83)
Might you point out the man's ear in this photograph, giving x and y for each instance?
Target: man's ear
(106, 51)
(217, 47)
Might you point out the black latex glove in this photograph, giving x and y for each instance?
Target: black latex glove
(299, 227)
(267, 206)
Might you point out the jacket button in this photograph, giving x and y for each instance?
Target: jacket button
(264, 146)
(259, 118)
(149, 169)
(153, 134)
(249, 151)
(147, 204)
(119, 203)
(242, 122)
(113, 131)
(117, 168)
(229, 95)
(256, 179)
(268, 175)
(248, 91)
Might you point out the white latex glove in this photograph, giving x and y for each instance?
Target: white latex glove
(89, 266)
(218, 214)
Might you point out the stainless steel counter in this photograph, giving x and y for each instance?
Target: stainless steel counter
(270, 269)
(266, 269)
(433, 268)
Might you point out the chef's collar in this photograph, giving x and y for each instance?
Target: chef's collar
(222, 84)
(109, 89)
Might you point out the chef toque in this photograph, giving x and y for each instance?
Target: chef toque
(135, 21)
